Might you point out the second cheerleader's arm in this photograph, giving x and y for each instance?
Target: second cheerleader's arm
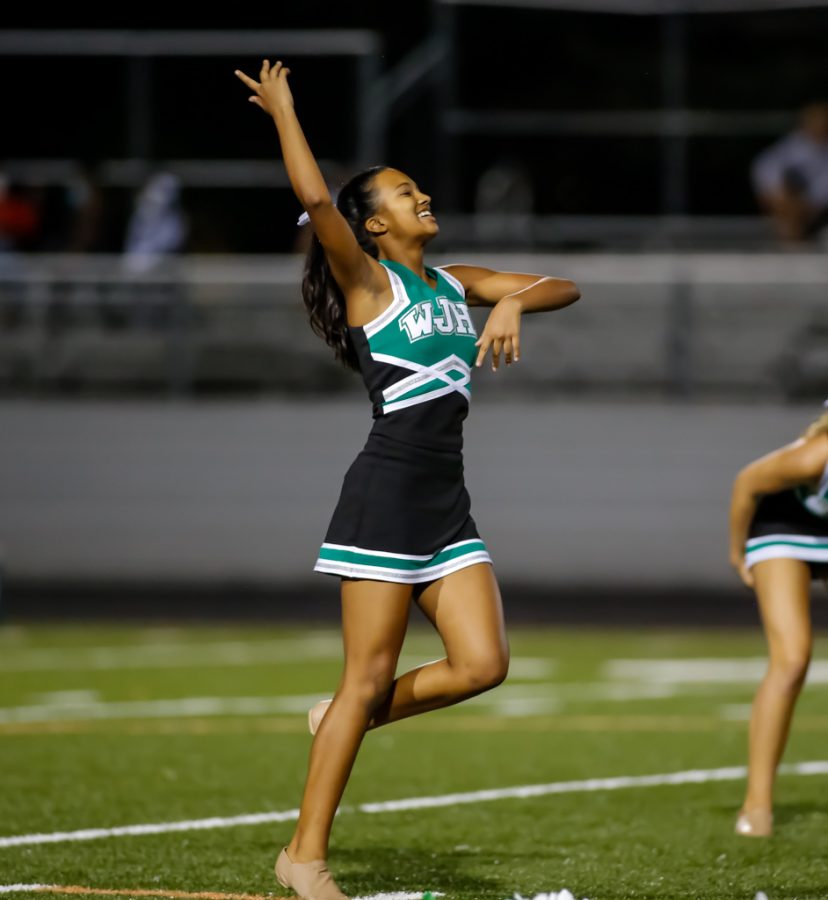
(799, 463)
(510, 294)
(352, 268)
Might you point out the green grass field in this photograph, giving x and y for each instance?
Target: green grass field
(102, 727)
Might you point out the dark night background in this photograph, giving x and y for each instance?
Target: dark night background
(70, 107)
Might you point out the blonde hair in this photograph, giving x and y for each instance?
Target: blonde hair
(820, 426)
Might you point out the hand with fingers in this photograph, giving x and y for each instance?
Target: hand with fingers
(271, 92)
(502, 333)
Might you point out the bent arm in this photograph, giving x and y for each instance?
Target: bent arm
(799, 463)
(533, 293)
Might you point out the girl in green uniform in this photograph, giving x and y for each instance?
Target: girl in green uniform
(402, 529)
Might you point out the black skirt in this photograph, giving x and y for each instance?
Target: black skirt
(784, 528)
(403, 515)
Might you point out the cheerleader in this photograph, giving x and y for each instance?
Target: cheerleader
(779, 545)
(402, 530)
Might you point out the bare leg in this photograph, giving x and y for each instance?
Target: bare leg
(374, 620)
(466, 609)
(783, 592)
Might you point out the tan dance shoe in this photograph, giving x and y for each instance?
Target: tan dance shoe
(316, 714)
(311, 881)
(755, 823)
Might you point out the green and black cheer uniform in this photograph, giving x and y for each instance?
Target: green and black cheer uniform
(793, 524)
(404, 513)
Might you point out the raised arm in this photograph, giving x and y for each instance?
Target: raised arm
(510, 293)
(352, 268)
(799, 463)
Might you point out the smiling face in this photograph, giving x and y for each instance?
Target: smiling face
(403, 210)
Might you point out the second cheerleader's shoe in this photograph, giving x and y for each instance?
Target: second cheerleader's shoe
(755, 823)
(316, 714)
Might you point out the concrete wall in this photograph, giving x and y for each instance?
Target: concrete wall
(589, 493)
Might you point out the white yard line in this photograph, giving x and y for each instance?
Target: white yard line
(510, 700)
(735, 712)
(695, 671)
(173, 655)
(692, 776)
(68, 711)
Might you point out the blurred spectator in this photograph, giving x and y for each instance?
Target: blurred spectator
(158, 226)
(790, 177)
(19, 217)
(157, 229)
(73, 213)
(85, 203)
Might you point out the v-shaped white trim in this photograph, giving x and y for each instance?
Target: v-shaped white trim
(398, 304)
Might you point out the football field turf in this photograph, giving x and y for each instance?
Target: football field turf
(169, 761)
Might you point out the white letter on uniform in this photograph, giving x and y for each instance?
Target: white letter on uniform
(418, 322)
(464, 319)
(445, 325)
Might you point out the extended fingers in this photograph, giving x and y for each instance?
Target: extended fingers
(508, 345)
(247, 80)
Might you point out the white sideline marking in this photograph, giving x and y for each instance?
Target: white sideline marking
(92, 834)
(692, 776)
(17, 888)
(689, 671)
(69, 711)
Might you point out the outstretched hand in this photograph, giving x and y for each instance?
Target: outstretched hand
(271, 92)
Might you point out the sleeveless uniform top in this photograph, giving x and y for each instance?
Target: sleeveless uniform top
(404, 514)
(792, 524)
(416, 359)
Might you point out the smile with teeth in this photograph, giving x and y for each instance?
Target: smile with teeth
(424, 213)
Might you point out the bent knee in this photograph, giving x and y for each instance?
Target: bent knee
(486, 672)
(369, 683)
(791, 669)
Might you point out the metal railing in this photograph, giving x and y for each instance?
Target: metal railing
(678, 325)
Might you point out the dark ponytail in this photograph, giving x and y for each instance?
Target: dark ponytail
(323, 298)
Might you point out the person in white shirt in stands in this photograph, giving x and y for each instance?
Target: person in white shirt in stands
(790, 177)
